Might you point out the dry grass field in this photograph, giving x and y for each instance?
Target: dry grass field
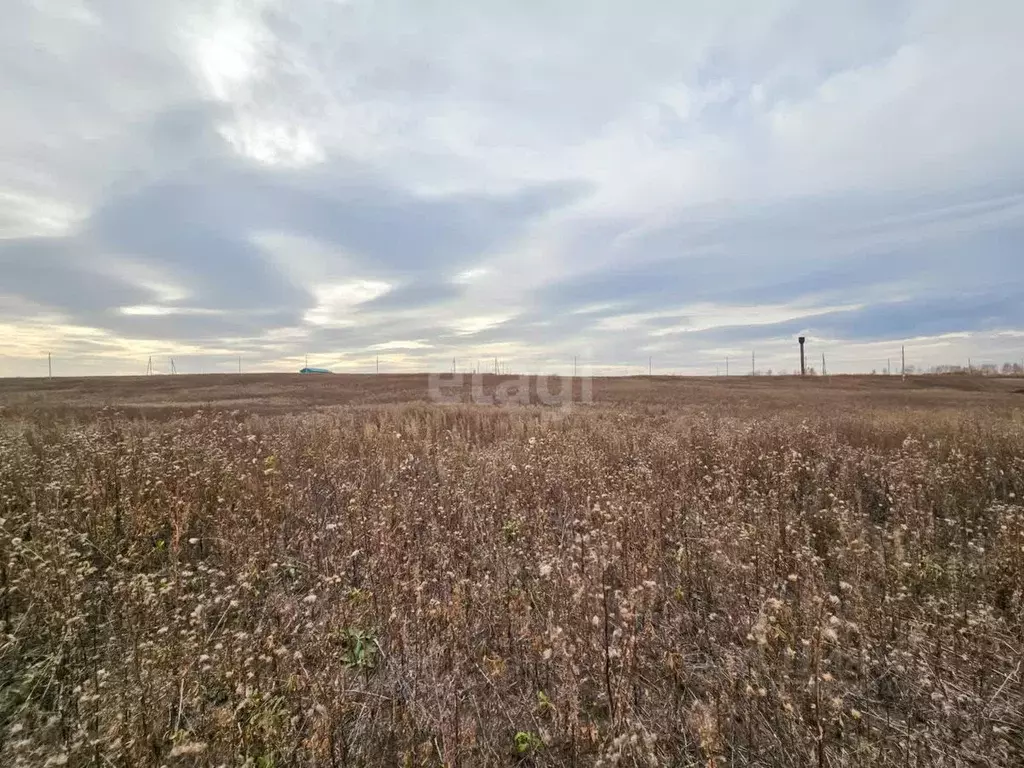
(277, 570)
(161, 397)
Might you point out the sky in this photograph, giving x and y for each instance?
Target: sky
(663, 184)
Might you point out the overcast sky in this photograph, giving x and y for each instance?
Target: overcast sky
(533, 180)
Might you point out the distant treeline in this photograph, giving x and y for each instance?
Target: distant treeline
(983, 369)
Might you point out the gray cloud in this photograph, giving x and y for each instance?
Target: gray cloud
(282, 178)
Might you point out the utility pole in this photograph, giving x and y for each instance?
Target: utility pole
(49, 365)
(149, 366)
(823, 369)
(453, 366)
(903, 360)
(753, 367)
(803, 368)
(173, 369)
(378, 363)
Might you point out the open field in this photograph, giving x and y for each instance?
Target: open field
(284, 570)
(279, 393)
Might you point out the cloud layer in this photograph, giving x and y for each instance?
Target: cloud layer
(345, 179)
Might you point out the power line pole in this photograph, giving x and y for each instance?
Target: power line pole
(903, 360)
(753, 367)
(888, 366)
(823, 369)
(378, 363)
(173, 369)
(49, 365)
(149, 366)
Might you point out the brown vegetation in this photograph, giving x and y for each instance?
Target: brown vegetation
(752, 572)
(164, 397)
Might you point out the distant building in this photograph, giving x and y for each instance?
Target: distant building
(314, 370)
